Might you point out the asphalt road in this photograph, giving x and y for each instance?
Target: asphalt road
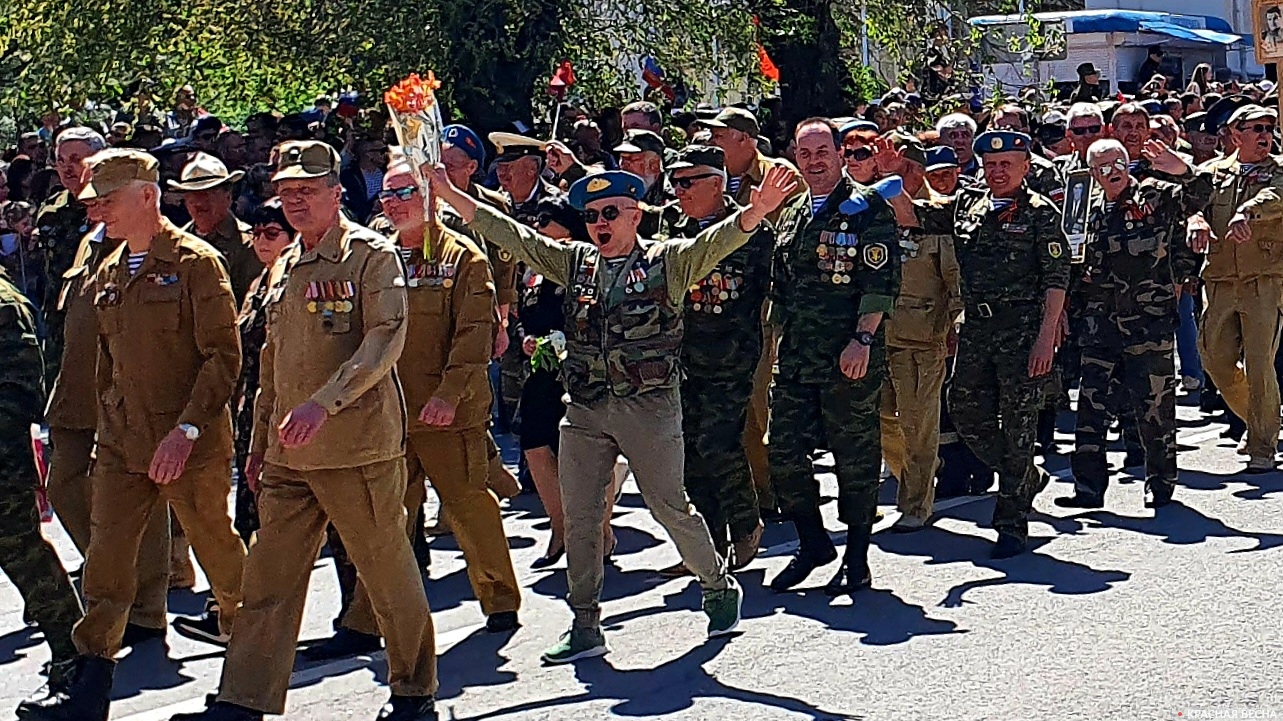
(1116, 614)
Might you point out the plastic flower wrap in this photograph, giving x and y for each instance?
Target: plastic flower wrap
(550, 351)
(416, 118)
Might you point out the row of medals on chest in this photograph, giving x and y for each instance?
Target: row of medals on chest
(836, 253)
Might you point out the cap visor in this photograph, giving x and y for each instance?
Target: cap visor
(295, 172)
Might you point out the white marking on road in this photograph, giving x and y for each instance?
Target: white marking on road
(338, 667)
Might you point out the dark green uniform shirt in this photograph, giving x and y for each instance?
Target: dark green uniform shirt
(60, 224)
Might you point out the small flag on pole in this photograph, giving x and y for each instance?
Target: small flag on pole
(653, 76)
(562, 78)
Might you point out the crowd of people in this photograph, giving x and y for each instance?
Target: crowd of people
(297, 311)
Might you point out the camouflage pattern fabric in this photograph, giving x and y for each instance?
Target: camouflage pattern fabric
(60, 224)
(25, 556)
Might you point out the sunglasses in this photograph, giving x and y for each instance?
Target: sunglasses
(1087, 130)
(1106, 170)
(544, 221)
(268, 232)
(688, 181)
(858, 154)
(401, 194)
(610, 212)
(1257, 128)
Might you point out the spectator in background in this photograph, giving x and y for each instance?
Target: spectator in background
(362, 177)
(35, 147)
(1200, 82)
(641, 115)
(17, 253)
(146, 137)
(858, 152)
(180, 121)
(19, 174)
(958, 131)
(120, 133)
(1151, 66)
(230, 148)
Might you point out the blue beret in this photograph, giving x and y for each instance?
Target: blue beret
(610, 184)
(1154, 107)
(855, 125)
(462, 137)
(1001, 141)
(941, 156)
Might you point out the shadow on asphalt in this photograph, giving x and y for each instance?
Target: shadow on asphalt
(1259, 485)
(1181, 525)
(12, 643)
(148, 668)
(666, 689)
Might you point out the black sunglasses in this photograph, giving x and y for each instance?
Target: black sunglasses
(543, 221)
(610, 212)
(688, 181)
(858, 154)
(1087, 130)
(403, 194)
(1257, 128)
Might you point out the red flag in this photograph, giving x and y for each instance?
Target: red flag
(562, 78)
(768, 66)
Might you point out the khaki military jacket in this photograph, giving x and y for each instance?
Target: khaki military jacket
(756, 172)
(1258, 193)
(233, 240)
(451, 331)
(336, 324)
(930, 298)
(503, 266)
(168, 350)
(73, 400)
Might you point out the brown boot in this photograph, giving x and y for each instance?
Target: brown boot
(182, 575)
(745, 549)
(501, 481)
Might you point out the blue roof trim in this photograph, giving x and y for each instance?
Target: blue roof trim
(1117, 21)
(1197, 35)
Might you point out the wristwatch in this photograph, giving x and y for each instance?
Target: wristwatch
(191, 432)
(863, 337)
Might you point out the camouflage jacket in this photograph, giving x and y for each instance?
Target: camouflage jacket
(1134, 247)
(831, 267)
(60, 225)
(22, 376)
(723, 309)
(1009, 256)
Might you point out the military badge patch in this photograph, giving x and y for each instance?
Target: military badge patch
(1055, 250)
(597, 185)
(875, 255)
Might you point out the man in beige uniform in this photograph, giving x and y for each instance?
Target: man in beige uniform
(929, 302)
(168, 358)
(443, 370)
(329, 439)
(207, 186)
(1239, 335)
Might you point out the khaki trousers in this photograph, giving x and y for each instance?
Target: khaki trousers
(759, 419)
(1238, 338)
(124, 505)
(69, 493)
(366, 505)
(456, 463)
(911, 425)
(647, 429)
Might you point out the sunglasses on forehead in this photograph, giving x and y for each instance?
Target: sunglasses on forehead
(858, 154)
(405, 193)
(688, 181)
(610, 212)
(1087, 130)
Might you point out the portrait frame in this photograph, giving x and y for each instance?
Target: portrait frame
(1078, 186)
(1267, 17)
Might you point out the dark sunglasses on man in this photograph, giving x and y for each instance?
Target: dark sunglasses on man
(859, 155)
(1087, 130)
(401, 194)
(610, 212)
(1257, 128)
(688, 181)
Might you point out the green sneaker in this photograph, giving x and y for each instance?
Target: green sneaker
(575, 644)
(723, 609)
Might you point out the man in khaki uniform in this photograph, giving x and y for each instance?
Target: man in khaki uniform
(1239, 333)
(735, 131)
(443, 367)
(71, 414)
(329, 440)
(207, 186)
(168, 359)
(928, 303)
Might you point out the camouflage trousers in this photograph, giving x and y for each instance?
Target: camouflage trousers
(842, 416)
(994, 405)
(1137, 381)
(718, 480)
(27, 558)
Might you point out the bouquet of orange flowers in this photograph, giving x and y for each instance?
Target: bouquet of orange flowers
(416, 118)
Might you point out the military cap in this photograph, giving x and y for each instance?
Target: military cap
(1218, 116)
(114, 168)
(610, 184)
(511, 146)
(692, 156)
(303, 159)
(641, 141)
(735, 119)
(1251, 112)
(1153, 107)
(855, 125)
(1193, 122)
(1087, 69)
(1001, 141)
(908, 146)
(941, 157)
(462, 137)
(203, 172)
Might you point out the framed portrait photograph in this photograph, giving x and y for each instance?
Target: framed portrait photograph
(1269, 30)
(1074, 213)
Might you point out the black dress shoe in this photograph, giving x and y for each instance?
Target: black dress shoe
(344, 643)
(849, 579)
(502, 622)
(409, 708)
(800, 568)
(136, 635)
(548, 560)
(220, 711)
(1158, 495)
(1080, 500)
(1008, 546)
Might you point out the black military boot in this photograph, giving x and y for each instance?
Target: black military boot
(1008, 545)
(1158, 493)
(408, 708)
(853, 575)
(814, 549)
(1046, 438)
(83, 695)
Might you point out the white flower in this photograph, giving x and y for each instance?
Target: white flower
(558, 341)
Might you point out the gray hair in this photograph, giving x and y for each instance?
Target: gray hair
(956, 120)
(1104, 146)
(1086, 110)
(88, 136)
